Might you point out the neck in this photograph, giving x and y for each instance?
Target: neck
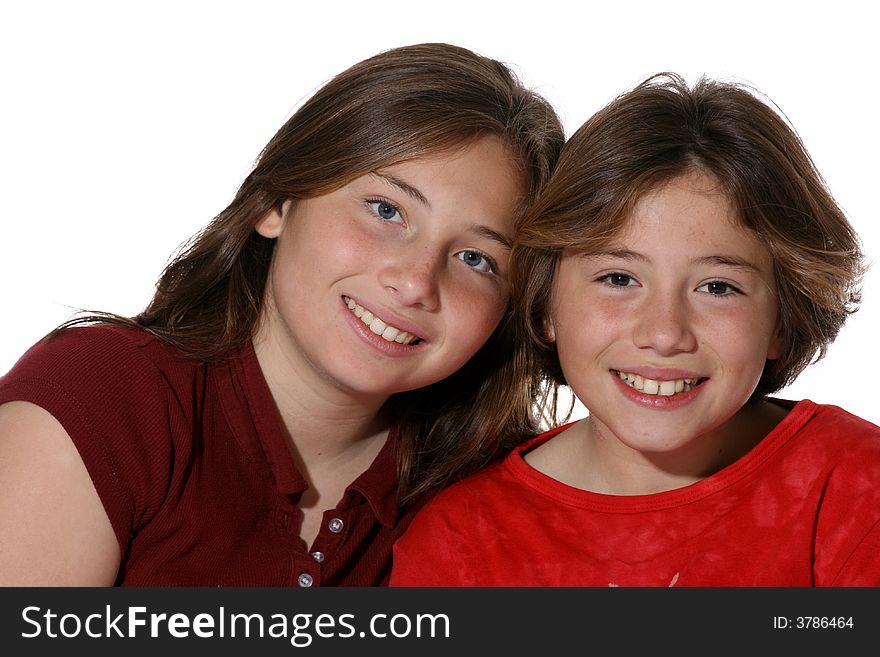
(585, 456)
(322, 421)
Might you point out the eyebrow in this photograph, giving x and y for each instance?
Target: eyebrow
(728, 261)
(716, 260)
(413, 192)
(494, 235)
(621, 254)
(403, 186)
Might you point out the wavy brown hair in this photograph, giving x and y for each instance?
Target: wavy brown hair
(662, 129)
(398, 105)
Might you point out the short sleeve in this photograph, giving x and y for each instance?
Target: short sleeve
(862, 568)
(111, 400)
(848, 519)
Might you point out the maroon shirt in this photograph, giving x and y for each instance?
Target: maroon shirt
(191, 463)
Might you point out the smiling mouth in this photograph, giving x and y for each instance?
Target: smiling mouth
(659, 388)
(381, 328)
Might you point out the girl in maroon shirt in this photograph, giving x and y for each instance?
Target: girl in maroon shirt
(237, 430)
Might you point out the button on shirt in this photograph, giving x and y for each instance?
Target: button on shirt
(353, 545)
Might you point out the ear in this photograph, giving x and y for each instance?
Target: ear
(549, 329)
(271, 223)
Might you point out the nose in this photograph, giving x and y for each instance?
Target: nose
(664, 325)
(412, 276)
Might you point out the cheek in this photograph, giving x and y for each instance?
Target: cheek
(742, 339)
(581, 320)
(582, 334)
(309, 255)
(473, 312)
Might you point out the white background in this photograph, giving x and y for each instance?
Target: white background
(125, 127)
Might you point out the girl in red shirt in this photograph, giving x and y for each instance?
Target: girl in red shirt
(695, 264)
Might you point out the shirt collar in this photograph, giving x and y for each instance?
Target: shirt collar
(377, 484)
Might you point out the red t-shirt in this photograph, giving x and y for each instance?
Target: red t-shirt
(191, 463)
(801, 509)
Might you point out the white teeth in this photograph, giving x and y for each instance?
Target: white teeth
(652, 387)
(377, 326)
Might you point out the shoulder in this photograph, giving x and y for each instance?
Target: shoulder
(93, 360)
(497, 480)
(454, 497)
(824, 444)
(115, 386)
(837, 455)
(81, 345)
(481, 494)
(451, 527)
(95, 340)
(441, 529)
(844, 421)
(835, 429)
(470, 491)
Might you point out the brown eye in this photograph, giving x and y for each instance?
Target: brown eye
(718, 288)
(618, 279)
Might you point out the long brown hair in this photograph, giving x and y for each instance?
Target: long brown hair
(398, 105)
(662, 129)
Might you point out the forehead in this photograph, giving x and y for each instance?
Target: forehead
(694, 203)
(483, 150)
(690, 217)
(692, 192)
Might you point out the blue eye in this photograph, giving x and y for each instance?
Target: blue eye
(476, 260)
(386, 211)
